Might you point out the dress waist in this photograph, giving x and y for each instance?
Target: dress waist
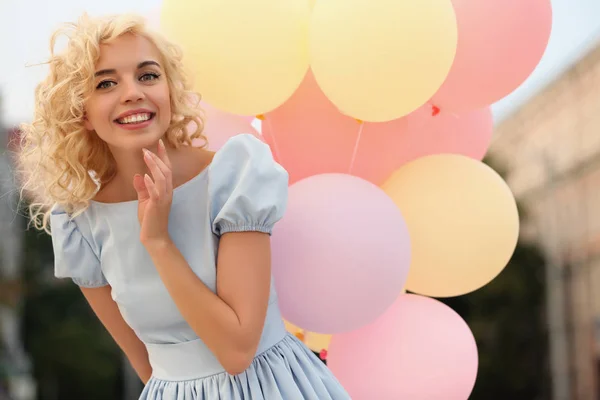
(194, 360)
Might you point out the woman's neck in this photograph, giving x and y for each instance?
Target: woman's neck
(186, 163)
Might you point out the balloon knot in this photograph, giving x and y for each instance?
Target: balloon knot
(300, 336)
(360, 121)
(323, 354)
(435, 110)
(261, 117)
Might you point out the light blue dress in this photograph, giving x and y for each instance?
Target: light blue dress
(242, 190)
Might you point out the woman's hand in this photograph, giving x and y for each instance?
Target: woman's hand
(155, 196)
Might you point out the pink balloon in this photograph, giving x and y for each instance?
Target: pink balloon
(500, 42)
(385, 147)
(341, 253)
(308, 135)
(420, 349)
(220, 126)
(248, 118)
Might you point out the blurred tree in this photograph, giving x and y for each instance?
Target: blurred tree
(73, 355)
(508, 319)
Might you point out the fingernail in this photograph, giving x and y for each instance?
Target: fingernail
(161, 144)
(146, 152)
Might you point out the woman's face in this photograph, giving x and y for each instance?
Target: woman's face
(130, 105)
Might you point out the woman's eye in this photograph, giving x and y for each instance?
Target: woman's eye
(149, 76)
(105, 84)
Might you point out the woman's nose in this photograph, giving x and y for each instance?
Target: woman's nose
(132, 92)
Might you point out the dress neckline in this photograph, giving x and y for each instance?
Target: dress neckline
(175, 191)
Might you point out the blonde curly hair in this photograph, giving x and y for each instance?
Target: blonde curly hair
(62, 163)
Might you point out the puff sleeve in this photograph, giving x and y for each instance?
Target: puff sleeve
(247, 189)
(74, 257)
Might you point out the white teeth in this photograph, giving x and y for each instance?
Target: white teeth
(135, 118)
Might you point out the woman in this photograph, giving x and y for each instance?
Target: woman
(168, 242)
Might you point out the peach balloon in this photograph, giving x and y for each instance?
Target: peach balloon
(308, 135)
(419, 349)
(462, 219)
(385, 147)
(500, 42)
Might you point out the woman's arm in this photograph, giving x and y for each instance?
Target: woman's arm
(107, 311)
(230, 322)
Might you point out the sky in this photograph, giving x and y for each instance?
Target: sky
(26, 25)
(575, 31)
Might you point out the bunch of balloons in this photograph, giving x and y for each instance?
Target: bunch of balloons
(380, 111)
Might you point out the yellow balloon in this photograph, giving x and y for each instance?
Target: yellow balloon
(314, 341)
(246, 57)
(317, 341)
(380, 60)
(462, 219)
(291, 328)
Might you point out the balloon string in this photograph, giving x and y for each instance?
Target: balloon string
(273, 140)
(355, 151)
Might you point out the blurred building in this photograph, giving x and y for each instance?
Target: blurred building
(551, 148)
(15, 365)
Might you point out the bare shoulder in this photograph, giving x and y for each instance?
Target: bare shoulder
(192, 161)
(203, 157)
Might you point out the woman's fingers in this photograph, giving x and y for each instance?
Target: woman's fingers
(151, 187)
(164, 163)
(140, 187)
(160, 181)
(163, 166)
(162, 154)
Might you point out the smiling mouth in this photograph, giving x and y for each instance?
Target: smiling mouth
(135, 119)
